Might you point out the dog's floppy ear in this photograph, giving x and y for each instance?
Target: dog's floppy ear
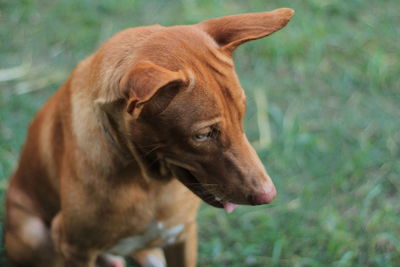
(232, 31)
(144, 81)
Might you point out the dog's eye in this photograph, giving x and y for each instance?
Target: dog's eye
(205, 135)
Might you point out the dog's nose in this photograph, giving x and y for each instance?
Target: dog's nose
(263, 197)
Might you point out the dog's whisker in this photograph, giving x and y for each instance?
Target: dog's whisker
(151, 151)
(209, 197)
(151, 145)
(179, 164)
(210, 186)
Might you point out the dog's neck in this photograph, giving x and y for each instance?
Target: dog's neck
(107, 127)
(152, 166)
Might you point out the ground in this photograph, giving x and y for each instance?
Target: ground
(323, 113)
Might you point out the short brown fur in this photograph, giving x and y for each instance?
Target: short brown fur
(152, 117)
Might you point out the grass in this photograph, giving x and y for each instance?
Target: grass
(329, 133)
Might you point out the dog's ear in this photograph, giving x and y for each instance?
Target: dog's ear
(232, 31)
(144, 81)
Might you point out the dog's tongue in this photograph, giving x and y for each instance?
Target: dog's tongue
(229, 207)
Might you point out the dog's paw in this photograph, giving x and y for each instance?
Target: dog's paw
(108, 260)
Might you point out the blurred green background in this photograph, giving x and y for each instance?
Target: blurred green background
(323, 113)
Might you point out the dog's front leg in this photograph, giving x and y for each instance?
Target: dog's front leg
(153, 257)
(183, 253)
(74, 254)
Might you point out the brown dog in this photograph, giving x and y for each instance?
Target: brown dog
(96, 177)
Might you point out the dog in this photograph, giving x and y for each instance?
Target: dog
(117, 161)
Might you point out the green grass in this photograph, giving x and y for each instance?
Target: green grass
(332, 80)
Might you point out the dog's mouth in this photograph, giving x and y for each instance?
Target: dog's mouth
(186, 177)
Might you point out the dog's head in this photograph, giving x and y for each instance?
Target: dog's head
(184, 108)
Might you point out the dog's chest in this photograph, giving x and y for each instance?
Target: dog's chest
(157, 234)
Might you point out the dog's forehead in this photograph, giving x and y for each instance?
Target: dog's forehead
(213, 87)
(189, 49)
(212, 94)
(179, 47)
